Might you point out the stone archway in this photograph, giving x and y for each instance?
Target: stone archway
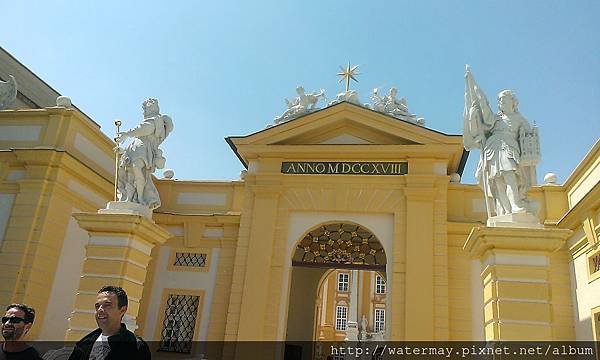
(325, 248)
(340, 245)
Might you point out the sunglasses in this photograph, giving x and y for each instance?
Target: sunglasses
(12, 319)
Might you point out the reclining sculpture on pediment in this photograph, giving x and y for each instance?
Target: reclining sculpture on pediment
(302, 104)
(398, 108)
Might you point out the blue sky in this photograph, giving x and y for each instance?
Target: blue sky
(223, 68)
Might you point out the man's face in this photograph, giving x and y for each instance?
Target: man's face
(108, 314)
(14, 328)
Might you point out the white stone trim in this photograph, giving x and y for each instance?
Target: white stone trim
(20, 132)
(202, 198)
(523, 322)
(121, 241)
(113, 277)
(534, 301)
(86, 193)
(94, 153)
(522, 280)
(214, 232)
(516, 259)
(118, 259)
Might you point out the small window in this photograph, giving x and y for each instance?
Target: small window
(341, 318)
(379, 285)
(343, 281)
(178, 326)
(379, 320)
(190, 259)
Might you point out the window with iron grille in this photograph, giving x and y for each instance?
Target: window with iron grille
(379, 285)
(379, 320)
(190, 259)
(343, 281)
(179, 323)
(341, 318)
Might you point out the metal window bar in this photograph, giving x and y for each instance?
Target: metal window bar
(179, 323)
(190, 259)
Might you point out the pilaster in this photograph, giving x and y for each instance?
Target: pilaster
(516, 283)
(419, 290)
(117, 254)
(253, 309)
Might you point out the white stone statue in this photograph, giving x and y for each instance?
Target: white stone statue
(509, 150)
(142, 157)
(303, 104)
(398, 108)
(8, 92)
(363, 323)
(350, 96)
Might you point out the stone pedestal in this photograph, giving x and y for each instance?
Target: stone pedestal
(516, 220)
(117, 254)
(516, 289)
(351, 331)
(126, 207)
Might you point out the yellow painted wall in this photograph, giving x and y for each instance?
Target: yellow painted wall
(432, 293)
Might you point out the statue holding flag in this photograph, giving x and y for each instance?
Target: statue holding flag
(509, 150)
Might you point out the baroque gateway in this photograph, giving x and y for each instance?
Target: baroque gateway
(350, 223)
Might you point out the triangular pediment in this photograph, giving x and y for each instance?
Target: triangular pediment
(344, 127)
(347, 124)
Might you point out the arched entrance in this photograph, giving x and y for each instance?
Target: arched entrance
(326, 308)
(340, 245)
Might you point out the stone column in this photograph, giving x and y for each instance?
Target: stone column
(516, 288)
(352, 322)
(117, 254)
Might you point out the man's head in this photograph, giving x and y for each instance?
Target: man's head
(111, 305)
(17, 321)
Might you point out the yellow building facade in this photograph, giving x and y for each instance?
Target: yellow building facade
(344, 190)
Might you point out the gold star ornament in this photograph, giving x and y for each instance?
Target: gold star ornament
(347, 74)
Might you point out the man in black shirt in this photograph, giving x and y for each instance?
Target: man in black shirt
(111, 340)
(15, 325)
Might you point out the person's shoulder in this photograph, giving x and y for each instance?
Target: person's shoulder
(143, 351)
(30, 353)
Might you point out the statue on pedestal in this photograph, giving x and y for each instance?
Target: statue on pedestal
(142, 157)
(301, 105)
(509, 150)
